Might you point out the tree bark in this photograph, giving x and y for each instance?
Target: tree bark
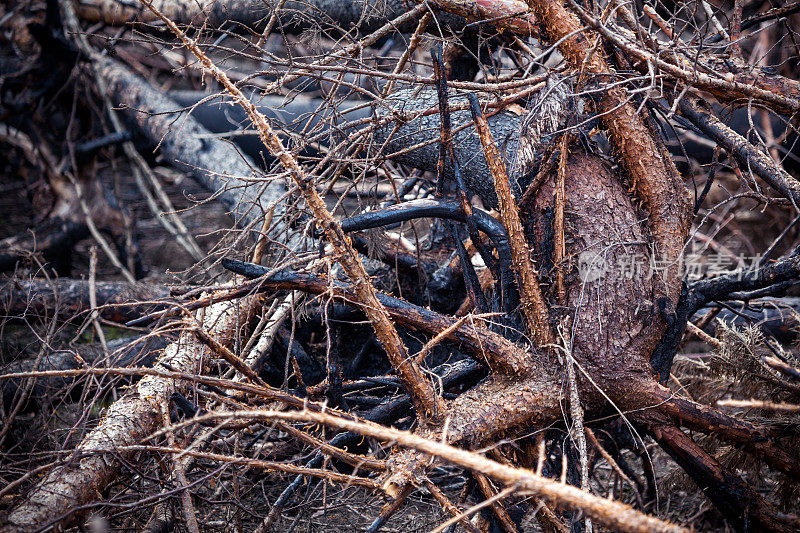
(365, 15)
(123, 352)
(84, 474)
(117, 301)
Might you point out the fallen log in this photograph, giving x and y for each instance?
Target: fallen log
(56, 499)
(190, 147)
(294, 16)
(135, 351)
(294, 115)
(117, 301)
(53, 238)
(412, 143)
(415, 143)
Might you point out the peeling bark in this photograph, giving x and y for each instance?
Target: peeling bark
(82, 477)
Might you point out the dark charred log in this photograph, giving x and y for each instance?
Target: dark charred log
(69, 298)
(124, 352)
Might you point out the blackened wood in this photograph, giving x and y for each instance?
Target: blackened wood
(116, 300)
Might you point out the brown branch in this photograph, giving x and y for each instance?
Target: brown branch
(533, 304)
(760, 404)
(777, 364)
(292, 16)
(129, 420)
(614, 466)
(499, 353)
(755, 439)
(609, 513)
(117, 301)
(655, 179)
(493, 501)
(228, 355)
(449, 506)
(254, 463)
(179, 473)
(319, 445)
(560, 247)
(509, 15)
(497, 505)
(735, 82)
(267, 394)
(428, 404)
(390, 508)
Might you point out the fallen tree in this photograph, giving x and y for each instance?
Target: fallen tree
(129, 420)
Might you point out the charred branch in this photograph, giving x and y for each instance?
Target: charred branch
(498, 352)
(747, 156)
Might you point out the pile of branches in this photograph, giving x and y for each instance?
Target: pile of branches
(455, 269)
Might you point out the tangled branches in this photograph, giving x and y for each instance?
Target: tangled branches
(464, 279)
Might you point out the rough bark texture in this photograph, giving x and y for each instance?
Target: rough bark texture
(611, 304)
(83, 476)
(397, 138)
(532, 304)
(652, 173)
(609, 321)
